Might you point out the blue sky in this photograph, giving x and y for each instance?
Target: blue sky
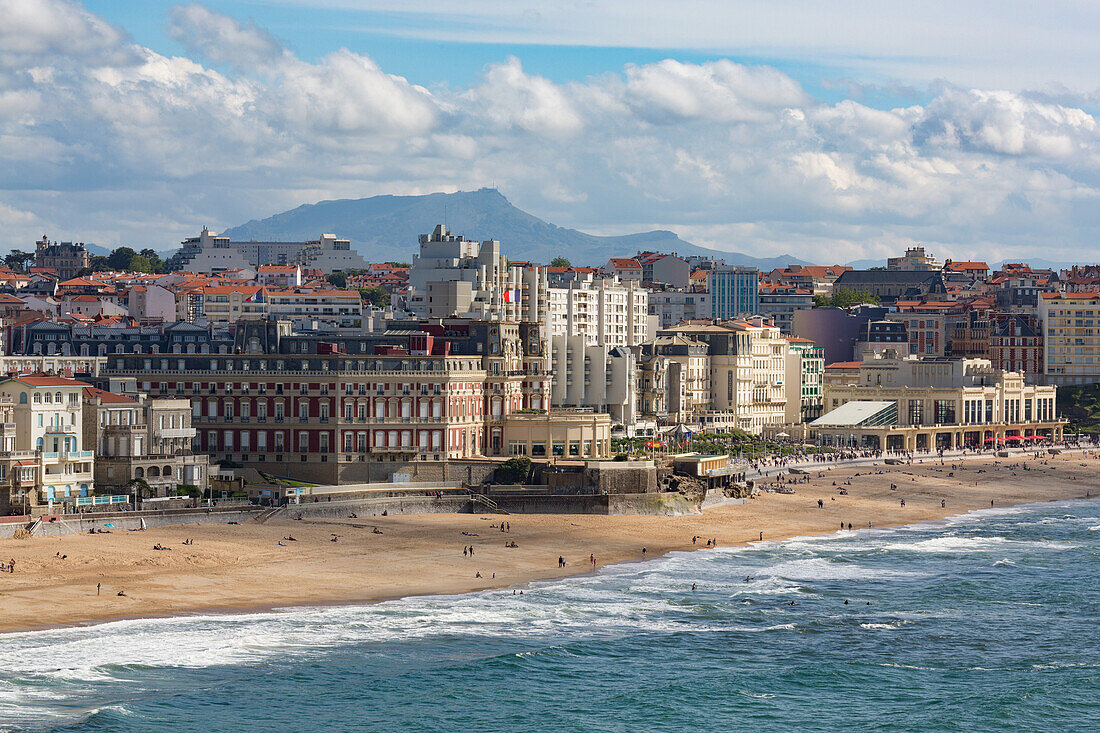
(391, 39)
(836, 130)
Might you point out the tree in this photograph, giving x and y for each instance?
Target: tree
(514, 470)
(560, 261)
(19, 261)
(338, 279)
(156, 264)
(140, 263)
(140, 487)
(119, 259)
(376, 295)
(396, 264)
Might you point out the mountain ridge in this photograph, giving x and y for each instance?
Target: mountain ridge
(386, 227)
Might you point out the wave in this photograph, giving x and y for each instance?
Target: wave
(892, 625)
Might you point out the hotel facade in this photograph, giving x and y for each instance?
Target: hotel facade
(908, 404)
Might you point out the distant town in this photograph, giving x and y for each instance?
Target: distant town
(257, 368)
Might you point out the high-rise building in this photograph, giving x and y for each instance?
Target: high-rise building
(605, 311)
(734, 292)
(1070, 331)
(456, 277)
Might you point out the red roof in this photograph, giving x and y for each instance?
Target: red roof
(46, 380)
(627, 263)
(107, 397)
(964, 266)
(844, 365)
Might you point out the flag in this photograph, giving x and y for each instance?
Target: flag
(256, 297)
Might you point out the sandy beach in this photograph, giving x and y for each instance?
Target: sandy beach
(242, 567)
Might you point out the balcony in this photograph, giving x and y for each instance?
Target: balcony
(180, 432)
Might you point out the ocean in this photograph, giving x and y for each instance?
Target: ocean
(984, 622)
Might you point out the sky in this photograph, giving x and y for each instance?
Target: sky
(831, 131)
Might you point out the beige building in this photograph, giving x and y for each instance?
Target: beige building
(747, 373)
(138, 439)
(915, 259)
(44, 463)
(559, 435)
(687, 375)
(905, 403)
(1070, 329)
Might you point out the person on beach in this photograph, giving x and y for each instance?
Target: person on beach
(694, 538)
(903, 502)
(643, 552)
(693, 587)
(592, 559)
(97, 588)
(464, 551)
(761, 536)
(820, 504)
(943, 503)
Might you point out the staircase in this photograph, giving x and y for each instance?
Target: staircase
(267, 514)
(486, 502)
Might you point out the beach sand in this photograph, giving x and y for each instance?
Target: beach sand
(241, 567)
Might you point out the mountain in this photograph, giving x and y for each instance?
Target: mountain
(385, 228)
(866, 264)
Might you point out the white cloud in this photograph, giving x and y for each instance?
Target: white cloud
(510, 99)
(722, 91)
(122, 144)
(223, 39)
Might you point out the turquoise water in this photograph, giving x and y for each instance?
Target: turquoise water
(986, 622)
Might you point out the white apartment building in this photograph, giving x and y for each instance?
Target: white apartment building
(605, 311)
(601, 377)
(1070, 329)
(454, 276)
(675, 306)
(337, 308)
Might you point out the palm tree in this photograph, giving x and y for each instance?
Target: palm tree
(139, 487)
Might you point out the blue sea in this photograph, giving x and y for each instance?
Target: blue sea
(986, 622)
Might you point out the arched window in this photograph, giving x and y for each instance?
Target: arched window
(22, 398)
(57, 397)
(49, 398)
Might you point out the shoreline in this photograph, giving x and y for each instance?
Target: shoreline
(61, 599)
(247, 610)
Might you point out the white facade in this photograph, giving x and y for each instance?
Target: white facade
(454, 276)
(605, 312)
(674, 306)
(600, 377)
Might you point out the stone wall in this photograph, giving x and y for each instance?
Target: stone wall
(123, 521)
(671, 504)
